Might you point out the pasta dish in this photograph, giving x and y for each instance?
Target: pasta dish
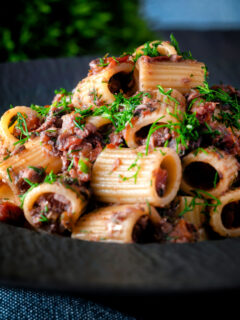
(142, 150)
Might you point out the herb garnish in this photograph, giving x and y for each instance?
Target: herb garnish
(43, 218)
(139, 155)
(80, 119)
(133, 165)
(191, 205)
(121, 111)
(134, 176)
(9, 174)
(41, 110)
(230, 117)
(71, 165)
(83, 167)
(62, 106)
(39, 171)
(63, 92)
(187, 127)
(51, 178)
(32, 186)
(200, 193)
(149, 49)
(185, 55)
(22, 126)
(102, 63)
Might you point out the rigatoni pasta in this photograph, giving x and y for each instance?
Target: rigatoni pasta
(118, 223)
(55, 204)
(163, 111)
(100, 87)
(224, 218)
(179, 75)
(210, 170)
(128, 176)
(142, 150)
(8, 124)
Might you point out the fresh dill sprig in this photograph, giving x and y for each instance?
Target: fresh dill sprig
(121, 111)
(80, 119)
(83, 167)
(149, 49)
(41, 110)
(63, 106)
(22, 127)
(134, 176)
(101, 63)
(39, 171)
(43, 218)
(51, 178)
(134, 164)
(230, 117)
(191, 205)
(186, 55)
(63, 92)
(201, 193)
(187, 127)
(9, 173)
(23, 196)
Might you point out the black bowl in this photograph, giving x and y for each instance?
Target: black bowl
(40, 260)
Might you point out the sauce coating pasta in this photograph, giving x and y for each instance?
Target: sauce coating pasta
(143, 149)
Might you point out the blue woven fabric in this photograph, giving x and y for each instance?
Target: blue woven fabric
(22, 304)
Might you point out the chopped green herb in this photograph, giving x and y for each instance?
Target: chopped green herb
(149, 207)
(9, 174)
(149, 49)
(63, 92)
(139, 155)
(22, 126)
(39, 171)
(190, 206)
(167, 94)
(198, 150)
(23, 196)
(83, 166)
(134, 176)
(71, 165)
(216, 178)
(51, 178)
(41, 110)
(231, 117)
(200, 193)
(121, 111)
(185, 55)
(102, 63)
(43, 218)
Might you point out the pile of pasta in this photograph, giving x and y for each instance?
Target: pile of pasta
(141, 150)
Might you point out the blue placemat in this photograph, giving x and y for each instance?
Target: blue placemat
(23, 304)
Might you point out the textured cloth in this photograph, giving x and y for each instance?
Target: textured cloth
(22, 304)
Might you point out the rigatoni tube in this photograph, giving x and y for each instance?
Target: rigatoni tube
(118, 223)
(210, 170)
(30, 154)
(6, 193)
(191, 209)
(225, 217)
(53, 207)
(129, 176)
(163, 109)
(181, 75)
(8, 123)
(99, 88)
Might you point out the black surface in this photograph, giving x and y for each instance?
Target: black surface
(46, 261)
(192, 272)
